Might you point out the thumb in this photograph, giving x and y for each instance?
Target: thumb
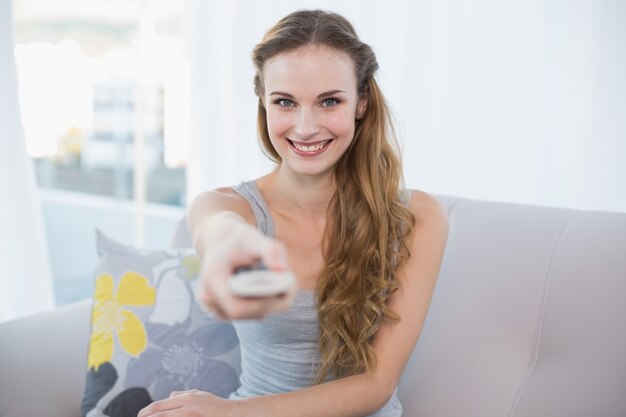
(276, 256)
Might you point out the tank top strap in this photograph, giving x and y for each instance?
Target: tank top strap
(250, 191)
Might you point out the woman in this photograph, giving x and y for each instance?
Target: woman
(365, 252)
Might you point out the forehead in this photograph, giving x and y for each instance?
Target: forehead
(309, 70)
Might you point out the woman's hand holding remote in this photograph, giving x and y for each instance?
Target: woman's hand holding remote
(244, 274)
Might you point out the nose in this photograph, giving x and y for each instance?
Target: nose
(306, 125)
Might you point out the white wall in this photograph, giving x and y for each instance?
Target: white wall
(519, 101)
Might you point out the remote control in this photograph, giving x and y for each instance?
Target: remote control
(258, 281)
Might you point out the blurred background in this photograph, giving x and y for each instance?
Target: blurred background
(126, 109)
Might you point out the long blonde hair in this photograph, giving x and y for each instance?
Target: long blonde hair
(367, 220)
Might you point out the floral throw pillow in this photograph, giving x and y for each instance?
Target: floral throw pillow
(149, 336)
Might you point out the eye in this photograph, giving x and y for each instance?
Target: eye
(284, 102)
(330, 102)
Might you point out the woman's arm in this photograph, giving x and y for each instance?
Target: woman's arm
(224, 235)
(362, 394)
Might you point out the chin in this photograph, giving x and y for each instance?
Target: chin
(311, 172)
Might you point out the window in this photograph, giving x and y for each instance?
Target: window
(104, 96)
(96, 77)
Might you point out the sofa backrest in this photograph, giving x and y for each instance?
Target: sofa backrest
(528, 316)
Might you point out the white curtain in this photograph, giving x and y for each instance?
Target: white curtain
(25, 280)
(500, 100)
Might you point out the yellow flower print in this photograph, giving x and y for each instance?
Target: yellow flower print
(189, 267)
(110, 317)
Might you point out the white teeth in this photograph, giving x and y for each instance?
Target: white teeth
(311, 148)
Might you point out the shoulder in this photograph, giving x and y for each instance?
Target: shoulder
(219, 199)
(209, 203)
(428, 210)
(428, 239)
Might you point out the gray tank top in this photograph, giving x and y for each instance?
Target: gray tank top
(279, 353)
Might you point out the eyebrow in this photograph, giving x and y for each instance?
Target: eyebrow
(325, 94)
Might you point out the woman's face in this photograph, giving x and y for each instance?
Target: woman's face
(312, 103)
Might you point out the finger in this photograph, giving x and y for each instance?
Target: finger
(207, 304)
(243, 248)
(161, 406)
(213, 275)
(275, 256)
(212, 307)
(251, 247)
(204, 297)
(175, 393)
(219, 313)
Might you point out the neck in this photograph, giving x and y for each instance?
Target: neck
(305, 196)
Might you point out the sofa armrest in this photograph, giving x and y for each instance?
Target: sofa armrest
(43, 360)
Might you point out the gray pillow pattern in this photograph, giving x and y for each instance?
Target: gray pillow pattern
(149, 336)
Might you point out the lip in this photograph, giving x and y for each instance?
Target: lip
(310, 154)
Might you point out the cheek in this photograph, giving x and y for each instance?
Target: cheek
(277, 123)
(341, 123)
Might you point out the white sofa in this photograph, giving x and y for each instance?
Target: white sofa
(528, 320)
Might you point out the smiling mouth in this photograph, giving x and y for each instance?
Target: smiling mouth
(312, 147)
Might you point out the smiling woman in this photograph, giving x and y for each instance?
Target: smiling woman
(365, 251)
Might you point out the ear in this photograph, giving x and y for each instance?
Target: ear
(361, 106)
